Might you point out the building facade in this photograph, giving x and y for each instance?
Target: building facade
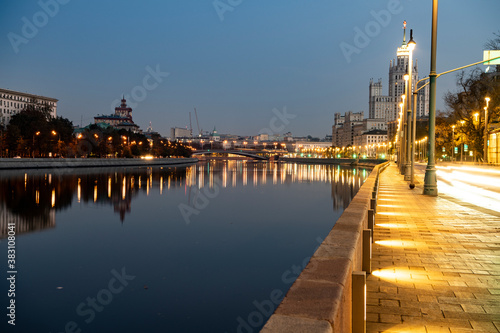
(179, 132)
(383, 110)
(343, 131)
(387, 106)
(12, 102)
(121, 119)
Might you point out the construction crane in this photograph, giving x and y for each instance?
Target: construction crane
(190, 126)
(197, 123)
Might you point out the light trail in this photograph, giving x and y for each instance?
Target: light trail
(469, 187)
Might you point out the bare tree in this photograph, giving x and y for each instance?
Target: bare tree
(493, 43)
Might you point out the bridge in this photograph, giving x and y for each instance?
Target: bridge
(246, 153)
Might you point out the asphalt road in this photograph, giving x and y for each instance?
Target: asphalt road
(472, 185)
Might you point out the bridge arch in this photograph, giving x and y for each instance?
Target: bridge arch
(234, 152)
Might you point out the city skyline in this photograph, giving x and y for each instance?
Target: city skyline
(234, 63)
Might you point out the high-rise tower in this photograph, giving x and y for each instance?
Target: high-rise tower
(387, 107)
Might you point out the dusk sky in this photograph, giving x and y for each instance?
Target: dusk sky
(234, 63)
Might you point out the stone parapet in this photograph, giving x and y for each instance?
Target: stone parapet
(320, 300)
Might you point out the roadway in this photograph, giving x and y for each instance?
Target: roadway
(475, 186)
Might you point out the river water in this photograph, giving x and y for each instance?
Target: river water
(211, 247)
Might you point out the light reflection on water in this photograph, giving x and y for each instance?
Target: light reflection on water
(247, 224)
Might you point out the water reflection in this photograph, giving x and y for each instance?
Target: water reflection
(31, 199)
(345, 182)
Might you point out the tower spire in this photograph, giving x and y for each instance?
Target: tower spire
(404, 32)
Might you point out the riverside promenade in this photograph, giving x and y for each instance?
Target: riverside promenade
(435, 264)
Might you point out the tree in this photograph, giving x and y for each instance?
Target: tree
(466, 107)
(494, 44)
(39, 132)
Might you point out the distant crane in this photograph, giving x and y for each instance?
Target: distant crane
(197, 123)
(190, 126)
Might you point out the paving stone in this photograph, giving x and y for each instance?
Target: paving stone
(395, 328)
(481, 325)
(427, 298)
(443, 262)
(472, 308)
(372, 317)
(492, 309)
(437, 329)
(389, 302)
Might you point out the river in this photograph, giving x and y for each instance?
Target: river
(211, 247)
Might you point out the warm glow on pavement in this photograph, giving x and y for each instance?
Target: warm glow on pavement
(402, 275)
(391, 225)
(399, 243)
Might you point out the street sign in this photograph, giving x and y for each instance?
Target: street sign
(490, 54)
(466, 148)
(471, 153)
(456, 150)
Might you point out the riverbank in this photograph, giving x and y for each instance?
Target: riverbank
(328, 295)
(56, 163)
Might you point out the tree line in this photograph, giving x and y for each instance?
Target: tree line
(34, 133)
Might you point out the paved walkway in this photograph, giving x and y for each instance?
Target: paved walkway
(436, 263)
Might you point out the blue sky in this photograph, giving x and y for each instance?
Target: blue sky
(235, 64)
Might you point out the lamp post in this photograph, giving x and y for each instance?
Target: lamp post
(462, 122)
(430, 180)
(403, 132)
(453, 143)
(399, 135)
(58, 139)
(36, 134)
(411, 46)
(412, 173)
(485, 149)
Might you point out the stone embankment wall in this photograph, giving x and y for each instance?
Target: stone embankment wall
(321, 299)
(43, 163)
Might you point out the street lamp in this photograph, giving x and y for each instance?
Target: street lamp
(453, 143)
(405, 140)
(462, 141)
(406, 166)
(411, 138)
(430, 180)
(485, 149)
(58, 138)
(401, 135)
(36, 134)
